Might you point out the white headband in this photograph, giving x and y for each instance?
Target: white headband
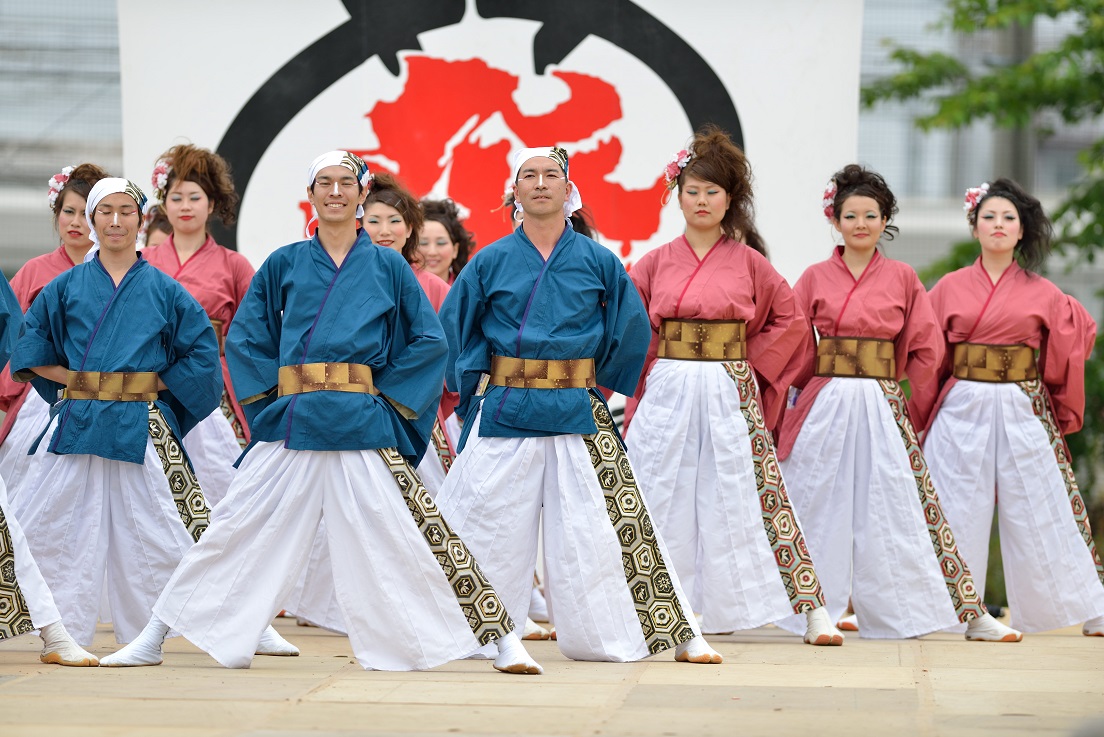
(105, 187)
(350, 161)
(558, 155)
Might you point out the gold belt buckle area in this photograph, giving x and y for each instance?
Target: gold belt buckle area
(703, 340)
(862, 358)
(111, 386)
(538, 373)
(333, 377)
(994, 363)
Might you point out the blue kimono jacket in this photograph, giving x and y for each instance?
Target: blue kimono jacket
(303, 308)
(509, 301)
(11, 321)
(83, 322)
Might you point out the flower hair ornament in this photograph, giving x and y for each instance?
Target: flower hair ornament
(675, 166)
(828, 202)
(160, 178)
(57, 183)
(974, 195)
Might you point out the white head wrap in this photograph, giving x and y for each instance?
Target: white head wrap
(350, 161)
(557, 154)
(103, 188)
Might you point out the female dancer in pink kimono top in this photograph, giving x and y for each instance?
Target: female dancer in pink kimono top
(998, 428)
(725, 330)
(27, 414)
(851, 457)
(194, 184)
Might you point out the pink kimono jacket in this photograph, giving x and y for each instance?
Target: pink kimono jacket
(27, 283)
(732, 282)
(1023, 308)
(886, 302)
(436, 290)
(218, 278)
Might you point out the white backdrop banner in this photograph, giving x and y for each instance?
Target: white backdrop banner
(440, 91)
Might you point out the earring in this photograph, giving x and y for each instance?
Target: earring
(519, 214)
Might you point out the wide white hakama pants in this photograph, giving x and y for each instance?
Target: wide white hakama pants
(399, 607)
(15, 462)
(692, 454)
(987, 448)
(213, 449)
(494, 496)
(84, 516)
(40, 606)
(852, 482)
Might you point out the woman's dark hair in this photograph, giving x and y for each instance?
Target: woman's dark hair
(385, 188)
(81, 181)
(753, 240)
(582, 222)
(718, 160)
(447, 214)
(188, 163)
(857, 181)
(1034, 246)
(156, 219)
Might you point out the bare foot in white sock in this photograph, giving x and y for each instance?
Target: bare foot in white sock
(697, 651)
(514, 658)
(987, 629)
(819, 629)
(272, 644)
(144, 650)
(59, 648)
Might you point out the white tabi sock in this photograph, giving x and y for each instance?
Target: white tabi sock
(144, 650)
(819, 629)
(697, 651)
(538, 607)
(1094, 627)
(987, 629)
(59, 648)
(514, 658)
(272, 644)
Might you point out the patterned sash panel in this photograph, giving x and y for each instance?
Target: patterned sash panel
(191, 505)
(15, 617)
(795, 566)
(662, 619)
(486, 615)
(960, 584)
(1040, 404)
(235, 422)
(441, 445)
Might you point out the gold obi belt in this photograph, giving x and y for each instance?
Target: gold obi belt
(112, 386)
(326, 377)
(537, 373)
(997, 363)
(703, 340)
(217, 325)
(861, 358)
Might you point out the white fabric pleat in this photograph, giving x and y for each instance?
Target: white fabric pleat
(84, 516)
(40, 602)
(851, 481)
(396, 602)
(987, 448)
(431, 472)
(15, 463)
(493, 497)
(213, 449)
(692, 456)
